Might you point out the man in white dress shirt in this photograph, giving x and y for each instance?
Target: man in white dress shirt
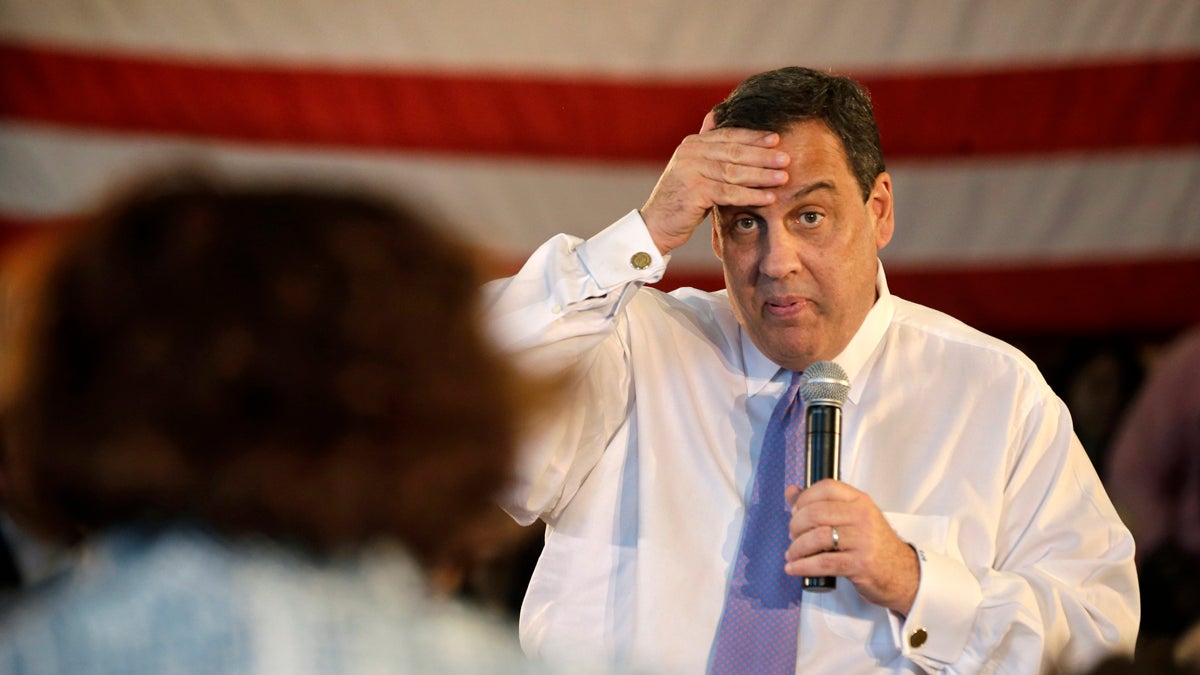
(973, 533)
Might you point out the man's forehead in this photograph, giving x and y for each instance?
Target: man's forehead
(790, 194)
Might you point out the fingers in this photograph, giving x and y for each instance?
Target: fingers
(790, 494)
(734, 156)
(883, 568)
(812, 554)
(811, 541)
(717, 167)
(819, 503)
(815, 512)
(739, 173)
(820, 508)
(710, 122)
(737, 135)
(820, 540)
(741, 147)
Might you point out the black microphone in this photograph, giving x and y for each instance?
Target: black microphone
(824, 387)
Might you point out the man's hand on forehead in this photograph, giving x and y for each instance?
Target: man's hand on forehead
(727, 166)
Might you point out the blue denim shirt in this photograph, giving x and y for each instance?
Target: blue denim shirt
(181, 600)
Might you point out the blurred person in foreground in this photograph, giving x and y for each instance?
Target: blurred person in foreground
(270, 411)
(1153, 474)
(969, 531)
(25, 557)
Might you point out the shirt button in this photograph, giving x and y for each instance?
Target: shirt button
(640, 260)
(917, 638)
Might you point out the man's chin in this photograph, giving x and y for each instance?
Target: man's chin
(792, 354)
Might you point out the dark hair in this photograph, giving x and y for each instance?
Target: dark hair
(303, 363)
(777, 99)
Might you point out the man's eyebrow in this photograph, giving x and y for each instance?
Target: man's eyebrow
(805, 190)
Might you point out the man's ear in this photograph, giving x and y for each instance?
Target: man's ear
(882, 209)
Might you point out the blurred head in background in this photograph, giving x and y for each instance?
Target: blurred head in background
(302, 363)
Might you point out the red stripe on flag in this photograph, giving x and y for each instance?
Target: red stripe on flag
(1032, 110)
(1139, 296)
(1094, 107)
(14, 229)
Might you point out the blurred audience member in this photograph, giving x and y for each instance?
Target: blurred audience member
(1104, 375)
(1154, 479)
(26, 559)
(272, 412)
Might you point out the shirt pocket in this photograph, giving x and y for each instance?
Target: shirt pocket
(848, 615)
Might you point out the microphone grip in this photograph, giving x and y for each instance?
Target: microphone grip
(822, 449)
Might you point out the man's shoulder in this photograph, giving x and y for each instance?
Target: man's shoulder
(954, 335)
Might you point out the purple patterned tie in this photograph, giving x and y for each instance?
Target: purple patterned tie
(758, 628)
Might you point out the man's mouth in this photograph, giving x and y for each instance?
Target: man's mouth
(784, 306)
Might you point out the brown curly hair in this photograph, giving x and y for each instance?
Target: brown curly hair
(304, 363)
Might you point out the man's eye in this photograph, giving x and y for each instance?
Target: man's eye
(811, 218)
(744, 224)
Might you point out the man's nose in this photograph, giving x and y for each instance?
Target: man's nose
(780, 253)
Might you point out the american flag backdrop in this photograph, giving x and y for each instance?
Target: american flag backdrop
(1045, 154)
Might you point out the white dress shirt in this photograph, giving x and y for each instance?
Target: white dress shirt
(642, 478)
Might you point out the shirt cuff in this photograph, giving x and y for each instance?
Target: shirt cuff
(937, 628)
(623, 253)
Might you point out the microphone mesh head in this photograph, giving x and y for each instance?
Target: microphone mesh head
(824, 383)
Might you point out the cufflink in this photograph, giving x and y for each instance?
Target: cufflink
(640, 260)
(917, 638)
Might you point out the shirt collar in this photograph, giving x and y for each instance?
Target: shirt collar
(760, 370)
